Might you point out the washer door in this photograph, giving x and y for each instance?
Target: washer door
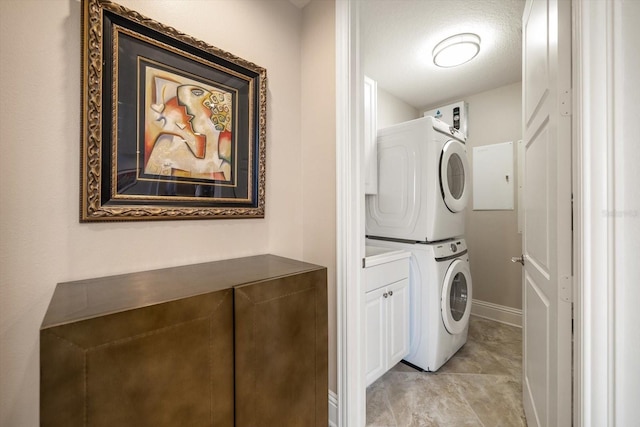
(454, 179)
(456, 297)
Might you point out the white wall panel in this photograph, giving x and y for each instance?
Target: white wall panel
(493, 177)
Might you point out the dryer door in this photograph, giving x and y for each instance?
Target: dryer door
(454, 176)
(456, 297)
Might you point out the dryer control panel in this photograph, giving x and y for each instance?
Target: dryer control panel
(449, 130)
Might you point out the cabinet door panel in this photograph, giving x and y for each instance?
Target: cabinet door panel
(375, 335)
(281, 351)
(159, 366)
(398, 322)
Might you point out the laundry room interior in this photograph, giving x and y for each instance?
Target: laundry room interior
(480, 382)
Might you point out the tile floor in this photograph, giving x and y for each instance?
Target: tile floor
(480, 386)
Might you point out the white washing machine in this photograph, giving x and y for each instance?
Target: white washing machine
(423, 182)
(440, 293)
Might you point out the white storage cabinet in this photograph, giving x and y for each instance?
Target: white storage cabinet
(387, 310)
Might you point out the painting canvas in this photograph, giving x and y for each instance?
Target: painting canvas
(173, 127)
(188, 127)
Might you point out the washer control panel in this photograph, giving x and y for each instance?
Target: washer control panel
(450, 248)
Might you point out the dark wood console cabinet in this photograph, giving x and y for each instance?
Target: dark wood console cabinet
(237, 342)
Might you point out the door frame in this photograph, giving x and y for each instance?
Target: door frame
(593, 188)
(350, 217)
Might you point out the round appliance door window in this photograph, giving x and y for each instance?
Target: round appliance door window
(456, 297)
(454, 180)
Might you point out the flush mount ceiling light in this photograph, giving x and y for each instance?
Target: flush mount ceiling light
(456, 50)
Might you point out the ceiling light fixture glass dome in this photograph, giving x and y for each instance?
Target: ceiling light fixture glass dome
(456, 50)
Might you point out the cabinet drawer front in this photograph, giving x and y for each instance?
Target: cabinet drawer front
(385, 274)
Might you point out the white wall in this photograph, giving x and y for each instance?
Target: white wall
(42, 242)
(392, 110)
(319, 151)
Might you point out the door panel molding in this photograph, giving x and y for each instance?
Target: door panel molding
(535, 71)
(538, 306)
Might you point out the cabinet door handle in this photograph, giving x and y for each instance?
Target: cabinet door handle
(390, 293)
(385, 295)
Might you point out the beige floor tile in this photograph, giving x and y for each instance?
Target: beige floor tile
(483, 330)
(509, 355)
(379, 412)
(427, 399)
(496, 399)
(479, 387)
(473, 358)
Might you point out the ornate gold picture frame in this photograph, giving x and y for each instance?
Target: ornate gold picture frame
(172, 128)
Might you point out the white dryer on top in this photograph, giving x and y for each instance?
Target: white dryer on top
(423, 182)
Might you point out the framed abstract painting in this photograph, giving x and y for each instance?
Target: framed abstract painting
(172, 128)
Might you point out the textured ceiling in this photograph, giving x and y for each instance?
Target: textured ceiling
(398, 36)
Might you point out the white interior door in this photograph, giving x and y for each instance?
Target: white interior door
(547, 213)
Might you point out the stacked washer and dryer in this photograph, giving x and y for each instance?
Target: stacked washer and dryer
(423, 188)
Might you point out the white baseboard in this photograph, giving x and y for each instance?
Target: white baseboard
(333, 409)
(499, 313)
